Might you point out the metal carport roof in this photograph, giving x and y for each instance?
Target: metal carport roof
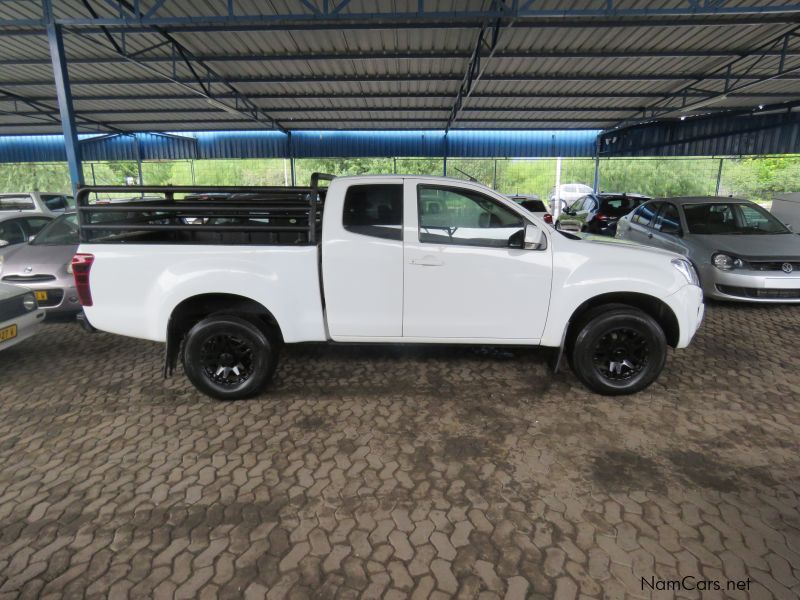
(181, 65)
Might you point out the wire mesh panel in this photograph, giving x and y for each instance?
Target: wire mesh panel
(418, 166)
(28, 177)
(660, 176)
(304, 167)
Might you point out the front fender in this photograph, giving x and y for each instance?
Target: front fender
(584, 270)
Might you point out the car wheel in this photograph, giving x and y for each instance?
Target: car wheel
(620, 350)
(229, 358)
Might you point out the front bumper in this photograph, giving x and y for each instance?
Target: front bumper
(27, 325)
(751, 286)
(62, 297)
(687, 304)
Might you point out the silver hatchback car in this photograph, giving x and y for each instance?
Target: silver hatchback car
(740, 251)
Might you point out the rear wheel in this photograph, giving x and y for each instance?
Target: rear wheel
(229, 358)
(621, 350)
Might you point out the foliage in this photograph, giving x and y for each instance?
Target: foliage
(756, 178)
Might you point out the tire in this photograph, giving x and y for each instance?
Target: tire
(618, 350)
(229, 358)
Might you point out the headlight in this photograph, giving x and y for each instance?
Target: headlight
(687, 270)
(726, 262)
(29, 302)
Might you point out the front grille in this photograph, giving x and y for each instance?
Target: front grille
(11, 308)
(774, 265)
(53, 298)
(760, 293)
(29, 278)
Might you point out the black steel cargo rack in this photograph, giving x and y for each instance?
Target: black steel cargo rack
(198, 214)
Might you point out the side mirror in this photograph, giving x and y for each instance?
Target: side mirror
(31, 238)
(534, 238)
(4, 243)
(789, 227)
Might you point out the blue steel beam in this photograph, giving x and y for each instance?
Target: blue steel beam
(66, 111)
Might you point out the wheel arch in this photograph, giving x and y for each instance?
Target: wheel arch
(193, 309)
(656, 308)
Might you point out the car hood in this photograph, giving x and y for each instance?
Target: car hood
(44, 260)
(782, 245)
(602, 239)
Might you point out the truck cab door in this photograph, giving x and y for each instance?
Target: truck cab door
(467, 274)
(362, 261)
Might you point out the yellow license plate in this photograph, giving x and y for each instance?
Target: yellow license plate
(7, 333)
(41, 296)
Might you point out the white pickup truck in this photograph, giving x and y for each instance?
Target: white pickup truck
(226, 276)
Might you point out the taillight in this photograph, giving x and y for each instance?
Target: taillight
(548, 218)
(81, 265)
(602, 217)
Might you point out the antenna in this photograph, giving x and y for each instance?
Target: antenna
(467, 175)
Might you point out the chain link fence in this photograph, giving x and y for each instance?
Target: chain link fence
(754, 177)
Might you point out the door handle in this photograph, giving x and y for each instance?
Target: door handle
(650, 236)
(426, 261)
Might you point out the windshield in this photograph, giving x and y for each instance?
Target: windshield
(731, 218)
(61, 232)
(617, 206)
(531, 205)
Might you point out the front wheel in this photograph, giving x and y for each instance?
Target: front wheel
(229, 358)
(619, 351)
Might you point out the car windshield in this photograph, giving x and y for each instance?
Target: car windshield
(61, 232)
(617, 206)
(530, 204)
(731, 218)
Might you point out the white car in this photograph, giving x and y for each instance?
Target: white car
(43, 203)
(393, 259)
(20, 316)
(568, 192)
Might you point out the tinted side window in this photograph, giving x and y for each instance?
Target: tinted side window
(448, 216)
(375, 210)
(646, 214)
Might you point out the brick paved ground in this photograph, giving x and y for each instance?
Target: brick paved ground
(401, 473)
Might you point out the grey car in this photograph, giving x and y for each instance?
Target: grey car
(44, 265)
(740, 251)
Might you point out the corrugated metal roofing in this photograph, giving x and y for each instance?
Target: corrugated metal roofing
(304, 144)
(549, 73)
(559, 66)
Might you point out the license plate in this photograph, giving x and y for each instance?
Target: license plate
(41, 296)
(7, 333)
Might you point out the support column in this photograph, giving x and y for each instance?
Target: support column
(290, 152)
(444, 163)
(65, 109)
(719, 177)
(597, 166)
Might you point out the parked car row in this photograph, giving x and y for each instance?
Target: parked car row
(740, 251)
